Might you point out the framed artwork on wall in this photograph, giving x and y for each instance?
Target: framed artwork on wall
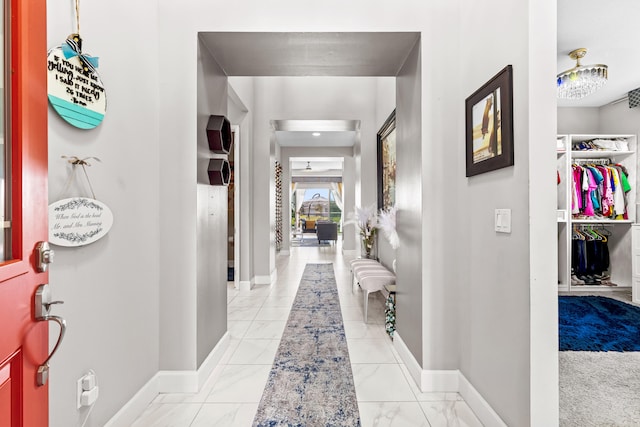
(387, 163)
(489, 125)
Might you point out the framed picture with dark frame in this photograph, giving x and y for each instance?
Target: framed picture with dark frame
(489, 125)
(387, 163)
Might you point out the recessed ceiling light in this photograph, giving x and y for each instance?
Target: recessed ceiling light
(316, 134)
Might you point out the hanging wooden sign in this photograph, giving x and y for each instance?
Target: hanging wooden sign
(78, 221)
(74, 87)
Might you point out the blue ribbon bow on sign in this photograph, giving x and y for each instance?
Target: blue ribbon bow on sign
(73, 47)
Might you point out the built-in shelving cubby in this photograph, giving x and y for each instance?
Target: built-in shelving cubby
(595, 152)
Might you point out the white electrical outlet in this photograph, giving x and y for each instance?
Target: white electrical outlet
(79, 393)
(88, 382)
(86, 390)
(88, 398)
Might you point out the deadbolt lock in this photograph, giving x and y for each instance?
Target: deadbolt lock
(44, 256)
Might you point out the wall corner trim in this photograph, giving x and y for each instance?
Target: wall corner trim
(136, 405)
(452, 381)
(262, 280)
(169, 382)
(245, 285)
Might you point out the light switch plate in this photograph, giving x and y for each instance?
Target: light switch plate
(503, 220)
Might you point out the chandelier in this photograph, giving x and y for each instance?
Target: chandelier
(581, 80)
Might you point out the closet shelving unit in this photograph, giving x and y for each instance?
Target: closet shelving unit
(620, 242)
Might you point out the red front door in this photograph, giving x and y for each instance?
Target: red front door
(23, 207)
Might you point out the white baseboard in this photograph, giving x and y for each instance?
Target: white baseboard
(451, 381)
(177, 381)
(414, 368)
(485, 413)
(136, 405)
(440, 381)
(169, 382)
(245, 285)
(262, 280)
(213, 359)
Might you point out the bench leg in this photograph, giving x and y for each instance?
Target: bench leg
(352, 278)
(366, 304)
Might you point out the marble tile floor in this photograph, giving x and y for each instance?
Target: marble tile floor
(386, 394)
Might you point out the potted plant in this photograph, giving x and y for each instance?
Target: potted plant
(366, 219)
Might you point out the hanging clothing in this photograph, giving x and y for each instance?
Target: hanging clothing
(599, 191)
(590, 256)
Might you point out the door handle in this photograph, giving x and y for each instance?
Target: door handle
(43, 305)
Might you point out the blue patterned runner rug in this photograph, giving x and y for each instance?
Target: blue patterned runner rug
(311, 383)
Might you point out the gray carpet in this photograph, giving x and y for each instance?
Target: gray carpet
(310, 242)
(600, 389)
(311, 383)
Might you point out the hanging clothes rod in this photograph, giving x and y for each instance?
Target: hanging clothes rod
(592, 225)
(606, 161)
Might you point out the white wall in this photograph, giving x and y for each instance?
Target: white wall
(498, 285)
(495, 278)
(110, 287)
(619, 118)
(578, 120)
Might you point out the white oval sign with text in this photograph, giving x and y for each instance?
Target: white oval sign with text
(78, 221)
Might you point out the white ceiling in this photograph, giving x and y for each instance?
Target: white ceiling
(320, 166)
(300, 133)
(609, 31)
(307, 139)
(310, 54)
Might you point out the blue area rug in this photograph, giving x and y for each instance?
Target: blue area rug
(593, 323)
(311, 383)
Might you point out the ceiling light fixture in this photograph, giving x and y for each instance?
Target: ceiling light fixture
(316, 134)
(308, 168)
(581, 80)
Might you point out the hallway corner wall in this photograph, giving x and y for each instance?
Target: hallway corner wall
(110, 287)
(243, 89)
(211, 229)
(443, 216)
(410, 216)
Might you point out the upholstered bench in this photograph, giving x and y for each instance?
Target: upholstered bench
(372, 277)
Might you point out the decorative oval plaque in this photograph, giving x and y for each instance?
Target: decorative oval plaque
(74, 87)
(78, 221)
